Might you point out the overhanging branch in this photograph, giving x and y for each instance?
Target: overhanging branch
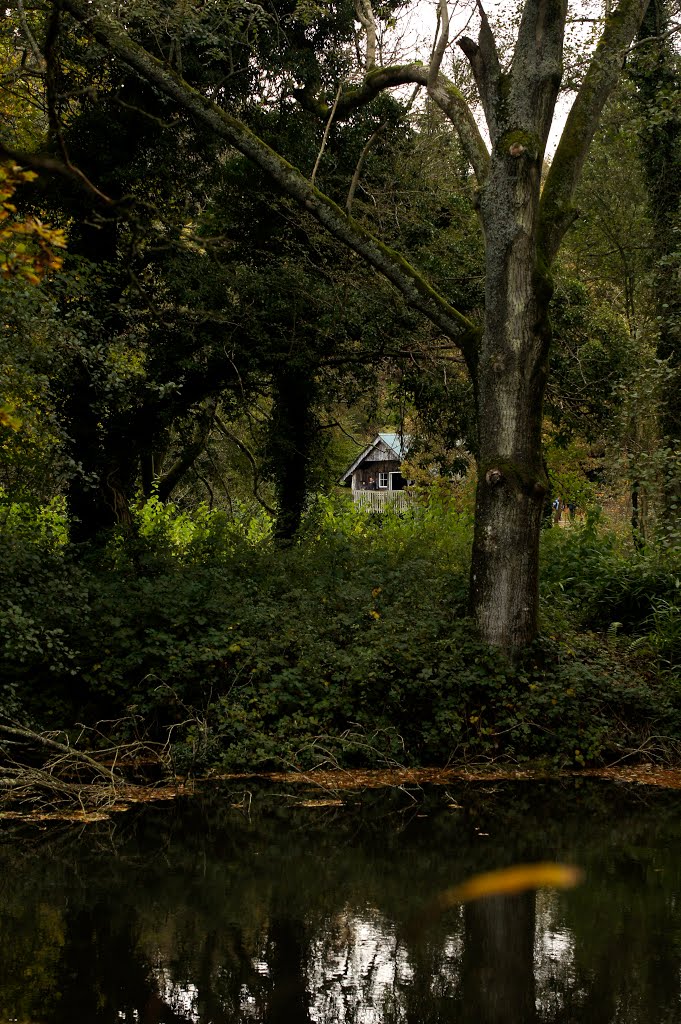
(417, 292)
(443, 92)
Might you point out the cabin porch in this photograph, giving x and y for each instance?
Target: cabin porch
(378, 501)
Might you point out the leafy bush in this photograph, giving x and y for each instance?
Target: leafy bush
(351, 647)
(45, 602)
(601, 581)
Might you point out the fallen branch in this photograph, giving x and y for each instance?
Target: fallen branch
(45, 740)
(39, 771)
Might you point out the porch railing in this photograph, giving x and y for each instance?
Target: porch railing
(377, 501)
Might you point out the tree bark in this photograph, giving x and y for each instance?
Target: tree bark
(511, 376)
(523, 230)
(512, 367)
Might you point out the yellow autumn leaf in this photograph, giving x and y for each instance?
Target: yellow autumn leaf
(507, 881)
(374, 614)
(7, 419)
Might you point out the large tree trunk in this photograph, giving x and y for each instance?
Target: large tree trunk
(293, 432)
(523, 231)
(511, 377)
(512, 480)
(509, 510)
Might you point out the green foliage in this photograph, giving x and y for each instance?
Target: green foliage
(567, 469)
(201, 534)
(351, 647)
(597, 581)
(31, 358)
(44, 604)
(592, 355)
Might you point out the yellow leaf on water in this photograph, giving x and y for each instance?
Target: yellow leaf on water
(520, 878)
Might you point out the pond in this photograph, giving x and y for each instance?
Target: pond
(288, 905)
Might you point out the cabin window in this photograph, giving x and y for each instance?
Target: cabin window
(397, 482)
(383, 480)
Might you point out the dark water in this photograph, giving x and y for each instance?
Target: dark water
(200, 912)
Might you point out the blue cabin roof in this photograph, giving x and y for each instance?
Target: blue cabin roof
(398, 444)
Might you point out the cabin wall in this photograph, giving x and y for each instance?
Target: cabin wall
(360, 478)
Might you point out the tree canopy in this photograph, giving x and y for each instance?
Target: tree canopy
(203, 279)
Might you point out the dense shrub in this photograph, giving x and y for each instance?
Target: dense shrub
(351, 647)
(44, 604)
(601, 583)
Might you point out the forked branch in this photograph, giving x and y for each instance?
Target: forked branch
(486, 67)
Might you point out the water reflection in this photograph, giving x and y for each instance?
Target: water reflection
(196, 913)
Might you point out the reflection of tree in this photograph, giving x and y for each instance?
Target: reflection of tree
(497, 977)
(224, 971)
(287, 957)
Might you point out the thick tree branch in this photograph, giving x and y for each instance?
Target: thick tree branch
(557, 212)
(415, 289)
(537, 67)
(486, 67)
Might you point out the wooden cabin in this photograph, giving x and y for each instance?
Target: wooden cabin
(375, 476)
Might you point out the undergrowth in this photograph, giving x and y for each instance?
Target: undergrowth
(352, 647)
